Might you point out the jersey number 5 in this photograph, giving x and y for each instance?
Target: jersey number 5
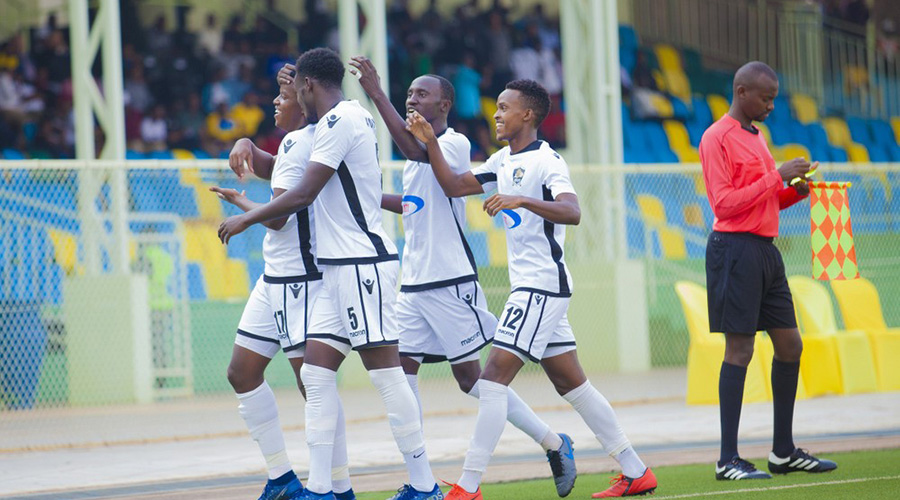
(354, 323)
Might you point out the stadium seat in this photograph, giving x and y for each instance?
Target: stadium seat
(677, 84)
(718, 106)
(476, 218)
(680, 141)
(805, 108)
(627, 36)
(496, 239)
(662, 105)
(706, 352)
(833, 361)
(791, 151)
(668, 58)
(196, 283)
(861, 309)
(895, 124)
(65, 248)
(183, 154)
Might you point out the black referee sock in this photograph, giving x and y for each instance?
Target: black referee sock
(731, 396)
(784, 393)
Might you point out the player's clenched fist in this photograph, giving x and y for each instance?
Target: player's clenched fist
(419, 127)
(498, 202)
(231, 226)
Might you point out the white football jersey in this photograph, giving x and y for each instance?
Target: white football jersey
(534, 244)
(290, 251)
(436, 253)
(348, 217)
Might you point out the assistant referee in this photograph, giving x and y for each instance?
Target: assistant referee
(745, 277)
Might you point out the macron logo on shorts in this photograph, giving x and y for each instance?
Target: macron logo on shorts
(295, 289)
(369, 284)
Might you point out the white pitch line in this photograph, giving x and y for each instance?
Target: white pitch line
(772, 488)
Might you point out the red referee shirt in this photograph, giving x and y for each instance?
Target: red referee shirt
(743, 185)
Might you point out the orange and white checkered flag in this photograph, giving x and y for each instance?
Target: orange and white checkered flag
(831, 234)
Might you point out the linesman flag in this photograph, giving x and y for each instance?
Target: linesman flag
(833, 253)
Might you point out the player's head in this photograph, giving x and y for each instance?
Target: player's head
(755, 89)
(522, 106)
(431, 96)
(288, 113)
(317, 70)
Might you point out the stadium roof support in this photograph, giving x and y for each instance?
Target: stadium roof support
(372, 43)
(109, 111)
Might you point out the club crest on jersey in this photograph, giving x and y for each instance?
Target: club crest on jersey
(511, 218)
(369, 284)
(295, 289)
(288, 144)
(518, 173)
(412, 204)
(332, 120)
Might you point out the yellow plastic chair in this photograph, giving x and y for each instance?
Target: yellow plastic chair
(857, 153)
(839, 135)
(706, 352)
(791, 151)
(677, 134)
(861, 309)
(895, 124)
(476, 217)
(718, 105)
(693, 215)
(496, 239)
(671, 241)
(668, 57)
(65, 249)
(833, 361)
(652, 210)
(766, 352)
(678, 84)
(183, 154)
(805, 108)
(662, 105)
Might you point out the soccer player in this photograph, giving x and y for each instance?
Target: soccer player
(280, 304)
(441, 310)
(537, 200)
(747, 288)
(360, 264)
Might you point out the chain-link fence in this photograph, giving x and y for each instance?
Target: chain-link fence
(101, 308)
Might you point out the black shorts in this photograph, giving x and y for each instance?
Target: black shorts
(747, 290)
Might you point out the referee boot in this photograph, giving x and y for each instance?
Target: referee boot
(285, 487)
(739, 469)
(562, 464)
(799, 461)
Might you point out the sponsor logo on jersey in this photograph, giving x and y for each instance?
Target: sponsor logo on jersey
(295, 289)
(518, 173)
(288, 144)
(468, 340)
(369, 284)
(511, 218)
(332, 120)
(412, 204)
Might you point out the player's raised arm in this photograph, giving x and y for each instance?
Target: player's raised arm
(291, 201)
(454, 185)
(257, 161)
(371, 84)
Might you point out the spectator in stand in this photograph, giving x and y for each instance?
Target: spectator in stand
(888, 44)
(154, 130)
(187, 124)
(222, 128)
(54, 56)
(159, 42)
(644, 89)
(467, 82)
(856, 12)
(210, 38)
(247, 114)
(136, 90)
(525, 60)
(499, 39)
(216, 91)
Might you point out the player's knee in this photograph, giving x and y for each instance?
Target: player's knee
(466, 382)
(241, 381)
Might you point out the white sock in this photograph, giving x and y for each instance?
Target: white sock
(340, 468)
(322, 413)
(600, 417)
(523, 417)
(260, 413)
(403, 415)
(493, 402)
(414, 384)
(632, 465)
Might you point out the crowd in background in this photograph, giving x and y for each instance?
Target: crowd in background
(201, 90)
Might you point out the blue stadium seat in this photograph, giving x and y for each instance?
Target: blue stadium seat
(134, 155)
(817, 134)
(837, 154)
(859, 131)
(627, 58)
(680, 110)
(781, 113)
(781, 133)
(201, 154)
(13, 154)
(878, 153)
(196, 284)
(160, 155)
(627, 37)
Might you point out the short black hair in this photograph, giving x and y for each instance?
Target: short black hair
(447, 90)
(323, 65)
(536, 98)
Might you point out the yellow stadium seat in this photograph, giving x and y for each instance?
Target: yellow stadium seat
(496, 239)
(476, 218)
(791, 151)
(857, 153)
(191, 177)
(895, 124)
(699, 184)
(662, 105)
(65, 249)
(237, 282)
(678, 84)
(208, 204)
(652, 210)
(693, 215)
(833, 361)
(805, 108)
(668, 58)
(183, 154)
(764, 130)
(855, 77)
(680, 142)
(707, 350)
(672, 244)
(718, 105)
(203, 247)
(861, 309)
(488, 108)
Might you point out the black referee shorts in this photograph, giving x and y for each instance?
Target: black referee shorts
(747, 289)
